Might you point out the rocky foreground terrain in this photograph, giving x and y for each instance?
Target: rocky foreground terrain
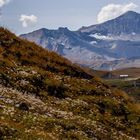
(45, 97)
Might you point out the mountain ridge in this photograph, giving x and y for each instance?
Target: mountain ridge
(130, 15)
(95, 45)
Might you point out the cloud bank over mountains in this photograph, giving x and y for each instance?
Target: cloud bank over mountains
(112, 11)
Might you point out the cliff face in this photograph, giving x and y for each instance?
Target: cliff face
(44, 96)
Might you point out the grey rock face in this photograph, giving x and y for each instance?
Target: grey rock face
(125, 24)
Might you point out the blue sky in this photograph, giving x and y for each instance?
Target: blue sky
(52, 14)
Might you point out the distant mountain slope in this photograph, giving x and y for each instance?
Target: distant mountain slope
(44, 96)
(72, 45)
(96, 45)
(127, 23)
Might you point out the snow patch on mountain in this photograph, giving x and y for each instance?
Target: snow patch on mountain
(114, 46)
(101, 37)
(93, 42)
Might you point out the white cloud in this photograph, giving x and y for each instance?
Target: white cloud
(111, 11)
(3, 2)
(28, 20)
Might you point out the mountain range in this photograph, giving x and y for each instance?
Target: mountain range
(111, 45)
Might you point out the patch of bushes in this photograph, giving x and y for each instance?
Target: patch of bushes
(56, 88)
(49, 124)
(5, 79)
(24, 106)
(7, 133)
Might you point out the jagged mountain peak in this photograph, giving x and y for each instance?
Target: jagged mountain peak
(126, 23)
(44, 32)
(130, 13)
(63, 29)
(130, 16)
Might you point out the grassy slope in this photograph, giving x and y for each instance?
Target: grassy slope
(131, 87)
(43, 95)
(127, 85)
(132, 72)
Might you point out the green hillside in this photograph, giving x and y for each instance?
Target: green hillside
(45, 97)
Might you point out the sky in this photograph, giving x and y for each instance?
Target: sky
(23, 16)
